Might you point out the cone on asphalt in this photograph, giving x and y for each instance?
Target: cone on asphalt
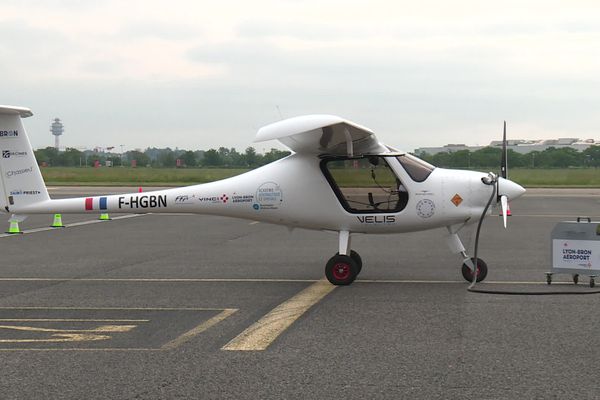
(104, 217)
(57, 222)
(14, 227)
(508, 213)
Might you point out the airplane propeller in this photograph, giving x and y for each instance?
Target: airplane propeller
(503, 174)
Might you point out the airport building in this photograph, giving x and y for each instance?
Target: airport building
(519, 145)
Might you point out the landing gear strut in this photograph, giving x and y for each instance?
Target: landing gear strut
(345, 265)
(468, 266)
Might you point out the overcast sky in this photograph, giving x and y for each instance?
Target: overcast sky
(201, 74)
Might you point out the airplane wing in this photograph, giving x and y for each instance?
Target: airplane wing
(322, 134)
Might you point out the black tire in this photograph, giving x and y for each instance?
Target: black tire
(592, 282)
(548, 279)
(356, 257)
(341, 270)
(576, 278)
(481, 270)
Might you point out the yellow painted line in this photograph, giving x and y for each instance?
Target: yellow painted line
(262, 333)
(76, 335)
(199, 329)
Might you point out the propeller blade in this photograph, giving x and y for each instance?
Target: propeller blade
(503, 163)
(504, 203)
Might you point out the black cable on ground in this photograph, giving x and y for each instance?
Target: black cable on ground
(471, 287)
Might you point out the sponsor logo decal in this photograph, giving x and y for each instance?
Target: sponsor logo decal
(581, 257)
(210, 199)
(456, 200)
(242, 198)
(424, 193)
(425, 208)
(152, 201)
(9, 154)
(224, 198)
(24, 192)
(184, 199)
(18, 172)
(13, 133)
(376, 219)
(269, 196)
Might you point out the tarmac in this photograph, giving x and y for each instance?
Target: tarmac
(187, 306)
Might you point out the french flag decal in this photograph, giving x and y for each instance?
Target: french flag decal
(89, 203)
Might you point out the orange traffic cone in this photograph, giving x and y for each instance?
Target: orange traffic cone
(508, 213)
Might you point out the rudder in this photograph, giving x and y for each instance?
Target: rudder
(21, 180)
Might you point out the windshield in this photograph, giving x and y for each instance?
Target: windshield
(416, 168)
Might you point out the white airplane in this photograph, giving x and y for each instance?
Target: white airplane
(339, 178)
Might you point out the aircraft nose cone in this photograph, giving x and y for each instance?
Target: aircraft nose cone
(510, 189)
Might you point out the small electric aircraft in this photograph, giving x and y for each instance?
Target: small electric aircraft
(339, 178)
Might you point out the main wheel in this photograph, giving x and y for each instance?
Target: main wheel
(481, 270)
(341, 270)
(354, 255)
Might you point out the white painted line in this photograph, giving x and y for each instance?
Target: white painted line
(270, 280)
(242, 280)
(254, 223)
(93, 221)
(571, 216)
(262, 333)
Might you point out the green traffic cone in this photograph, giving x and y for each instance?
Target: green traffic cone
(57, 222)
(14, 227)
(104, 217)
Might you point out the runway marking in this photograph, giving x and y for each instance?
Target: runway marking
(199, 329)
(254, 223)
(262, 333)
(115, 308)
(99, 332)
(69, 320)
(266, 280)
(74, 224)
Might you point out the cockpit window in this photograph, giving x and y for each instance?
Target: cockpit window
(416, 168)
(365, 184)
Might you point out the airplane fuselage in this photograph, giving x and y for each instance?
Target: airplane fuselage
(295, 192)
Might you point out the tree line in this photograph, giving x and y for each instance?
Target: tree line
(160, 158)
(489, 157)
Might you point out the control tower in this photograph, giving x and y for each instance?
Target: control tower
(57, 129)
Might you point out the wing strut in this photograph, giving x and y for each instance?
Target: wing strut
(349, 144)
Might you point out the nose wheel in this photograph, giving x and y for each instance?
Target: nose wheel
(342, 270)
(481, 269)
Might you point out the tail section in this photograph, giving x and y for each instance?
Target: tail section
(21, 182)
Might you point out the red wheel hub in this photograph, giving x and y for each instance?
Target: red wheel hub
(341, 271)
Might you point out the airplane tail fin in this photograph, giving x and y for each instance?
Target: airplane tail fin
(21, 182)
